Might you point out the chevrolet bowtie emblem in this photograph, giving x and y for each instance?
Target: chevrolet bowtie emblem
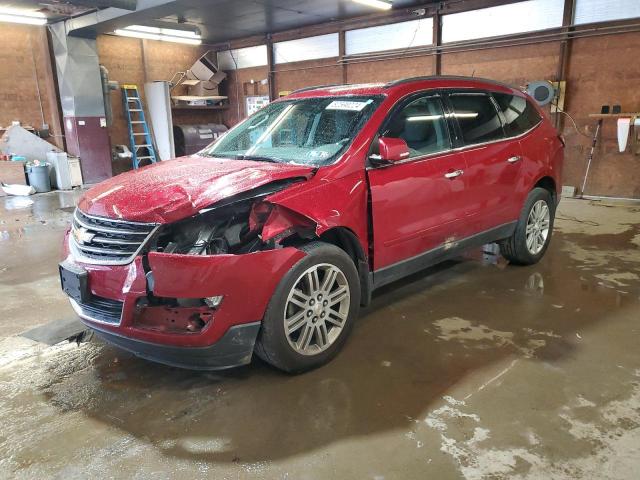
(82, 235)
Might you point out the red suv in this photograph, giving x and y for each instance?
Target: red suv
(270, 239)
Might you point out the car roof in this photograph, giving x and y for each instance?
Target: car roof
(405, 84)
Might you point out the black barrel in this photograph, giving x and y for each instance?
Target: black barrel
(193, 138)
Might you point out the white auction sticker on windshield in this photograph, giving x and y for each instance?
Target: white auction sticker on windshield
(347, 105)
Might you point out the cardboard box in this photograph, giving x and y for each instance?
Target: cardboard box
(202, 89)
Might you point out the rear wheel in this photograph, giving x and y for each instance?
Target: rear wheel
(532, 235)
(312, 311)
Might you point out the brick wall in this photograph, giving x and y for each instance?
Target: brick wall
(513, 65)
(602, 70)
(21, 46)
(237, 85)
(123, 57)
(388, 70)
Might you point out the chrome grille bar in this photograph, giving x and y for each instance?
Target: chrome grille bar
(81, 219)
(107, 241)
(101, 310)
(113, 241)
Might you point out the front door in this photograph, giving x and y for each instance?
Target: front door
(417, 204)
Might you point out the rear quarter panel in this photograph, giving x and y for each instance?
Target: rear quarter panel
(543, 155)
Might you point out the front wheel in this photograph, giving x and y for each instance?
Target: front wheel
(532, 235)
(312, 311)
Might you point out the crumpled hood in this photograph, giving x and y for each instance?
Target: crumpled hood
(175, 189)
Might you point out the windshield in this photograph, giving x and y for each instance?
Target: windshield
(309, 131)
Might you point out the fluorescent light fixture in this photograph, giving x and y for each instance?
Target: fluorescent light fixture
(381, 4)
(161, 34)
(164, 31)
(28, 17)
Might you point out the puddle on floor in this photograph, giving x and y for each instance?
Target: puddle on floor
(470, 364)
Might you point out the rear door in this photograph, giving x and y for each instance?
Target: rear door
(520, 117)
(493, 161)
(419, 203)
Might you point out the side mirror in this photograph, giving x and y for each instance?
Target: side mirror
(393, 149)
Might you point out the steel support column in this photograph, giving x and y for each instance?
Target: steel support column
(342, 51)
(437, 42)
(271, 74)
(565, 49)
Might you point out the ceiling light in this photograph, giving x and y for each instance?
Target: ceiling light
(160, 34)
(381, 4)
(15, 15)
(164, 31)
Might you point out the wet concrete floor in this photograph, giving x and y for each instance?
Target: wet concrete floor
(473, 369)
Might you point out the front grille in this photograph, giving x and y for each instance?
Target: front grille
(107, 241)
(102, 310)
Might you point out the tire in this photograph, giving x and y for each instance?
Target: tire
(515, 248)
(287, 351)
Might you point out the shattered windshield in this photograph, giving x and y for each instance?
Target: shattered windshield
(309, 131)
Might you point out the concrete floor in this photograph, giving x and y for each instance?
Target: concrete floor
(474, 369)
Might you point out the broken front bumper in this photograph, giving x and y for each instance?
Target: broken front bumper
(234, 349)
(117, 310)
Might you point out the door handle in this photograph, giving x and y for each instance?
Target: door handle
(515, 159)
(454, 174)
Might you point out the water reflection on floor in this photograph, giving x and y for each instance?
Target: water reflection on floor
(473, 369)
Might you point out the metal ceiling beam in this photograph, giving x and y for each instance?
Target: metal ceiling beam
(401, 14)
(124, 4)
(107, 20)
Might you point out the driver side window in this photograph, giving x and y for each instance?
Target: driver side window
(422, 124)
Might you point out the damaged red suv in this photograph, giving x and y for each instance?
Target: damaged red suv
(270, 239)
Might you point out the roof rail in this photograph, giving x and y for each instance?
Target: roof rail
(443, 77)
(315, 87)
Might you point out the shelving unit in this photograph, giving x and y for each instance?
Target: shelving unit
(200, 107)
(614, 115)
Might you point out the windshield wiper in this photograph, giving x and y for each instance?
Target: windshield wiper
(260, 158)
(237, 156)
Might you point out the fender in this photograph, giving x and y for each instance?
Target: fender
(330, 203)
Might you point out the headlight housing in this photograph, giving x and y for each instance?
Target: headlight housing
(233, 226)
(231, 229)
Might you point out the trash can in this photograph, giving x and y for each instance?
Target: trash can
(39, 177)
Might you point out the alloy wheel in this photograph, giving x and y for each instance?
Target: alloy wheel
(317, 309)
(537, 230)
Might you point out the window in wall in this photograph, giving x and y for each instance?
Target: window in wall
(520, 115)
(409, 34)
(243, 58)
(422, 125)
(310, 48)
(502, 20)
(477, 117)
(590, 11)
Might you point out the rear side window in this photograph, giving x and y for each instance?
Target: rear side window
(520, 115)
(477, 117)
